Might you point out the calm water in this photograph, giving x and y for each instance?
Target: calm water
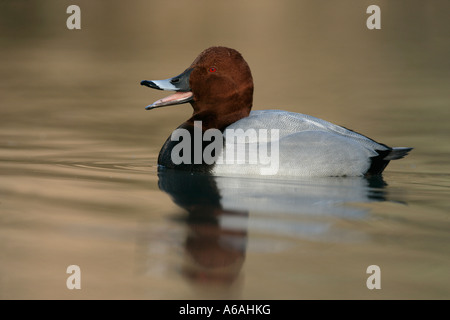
(78, 177)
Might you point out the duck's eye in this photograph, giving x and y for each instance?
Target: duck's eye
(212, 69)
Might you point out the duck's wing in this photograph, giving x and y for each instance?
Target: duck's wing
(309, 146)
(290, 123)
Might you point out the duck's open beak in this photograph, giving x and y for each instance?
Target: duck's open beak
(180, 84)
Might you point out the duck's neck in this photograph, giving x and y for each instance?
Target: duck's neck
(218, 119)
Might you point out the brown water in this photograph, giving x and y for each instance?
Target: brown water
(79, 183)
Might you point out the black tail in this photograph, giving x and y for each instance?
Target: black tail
(397, 153)
(381, 161)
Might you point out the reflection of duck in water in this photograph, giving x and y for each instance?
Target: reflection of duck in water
(218, 221)
(216, 250)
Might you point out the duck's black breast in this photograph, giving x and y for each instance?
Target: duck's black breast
(194, 161)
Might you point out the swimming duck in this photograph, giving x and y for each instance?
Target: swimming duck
(219, 87)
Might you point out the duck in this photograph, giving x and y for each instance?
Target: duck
(219, 87)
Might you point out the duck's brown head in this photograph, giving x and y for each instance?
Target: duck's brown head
(218, 84)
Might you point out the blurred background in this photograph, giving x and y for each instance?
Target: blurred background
(78, 152)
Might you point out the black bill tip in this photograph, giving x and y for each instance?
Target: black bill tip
(150, 84)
